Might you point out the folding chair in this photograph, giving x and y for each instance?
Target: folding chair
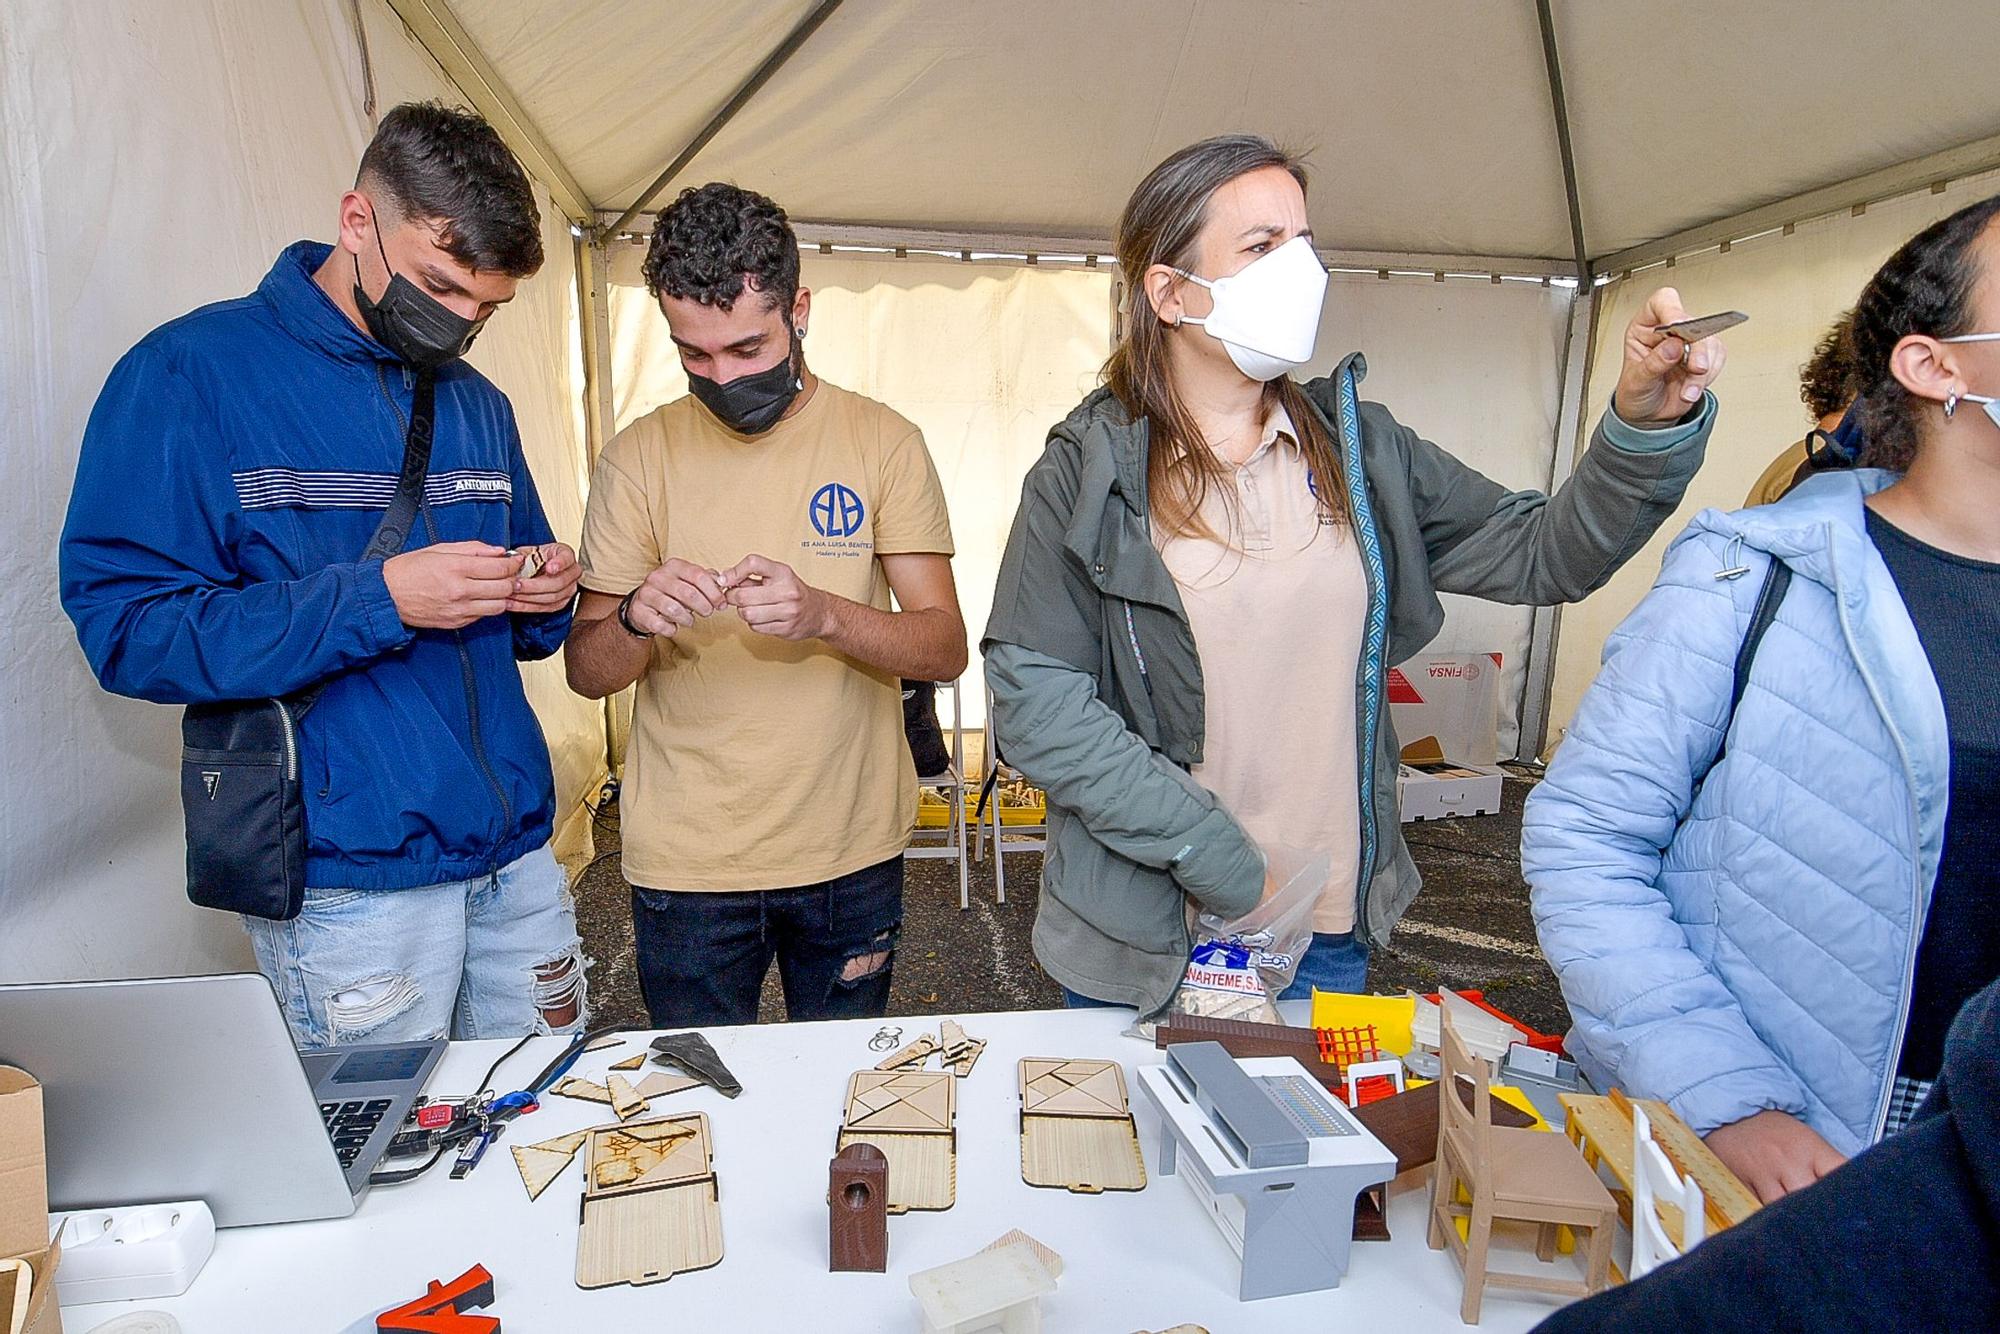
(990, 815)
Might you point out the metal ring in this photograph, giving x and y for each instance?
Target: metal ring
(885, 1039)
(1950, 405)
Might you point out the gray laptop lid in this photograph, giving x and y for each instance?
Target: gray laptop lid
(166, 1089)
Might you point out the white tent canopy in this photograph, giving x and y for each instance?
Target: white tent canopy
(157, 156)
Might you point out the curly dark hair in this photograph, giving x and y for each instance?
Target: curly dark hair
(1831, 379)
(446, 166)
(1924, 288)
(716, 239)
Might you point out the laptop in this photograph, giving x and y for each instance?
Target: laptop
(188, 1088)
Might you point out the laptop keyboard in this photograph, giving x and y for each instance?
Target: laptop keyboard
(350, 1124)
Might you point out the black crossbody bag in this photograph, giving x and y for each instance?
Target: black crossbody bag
(240, 789)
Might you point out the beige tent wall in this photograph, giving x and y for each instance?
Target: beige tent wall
(1792, 287)
(1475, 368)
(985, 357)
(155, 158)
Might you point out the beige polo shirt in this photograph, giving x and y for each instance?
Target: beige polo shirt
(1278, 610)
(754, 762)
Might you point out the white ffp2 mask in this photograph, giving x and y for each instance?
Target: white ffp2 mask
(1266, 314)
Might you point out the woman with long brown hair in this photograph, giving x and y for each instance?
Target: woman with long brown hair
(1213, 566)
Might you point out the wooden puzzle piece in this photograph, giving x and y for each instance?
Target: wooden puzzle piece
(894, 1100)
(625, 1099)
(1085, 1155)
(542, 1163)
(962, 1064)
(631, 1063)
(660, 1083)
(910, 1056)
(648, 1153)
(1072, 1088)
(582, 1089)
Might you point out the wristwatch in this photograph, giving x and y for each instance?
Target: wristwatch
(625, 617)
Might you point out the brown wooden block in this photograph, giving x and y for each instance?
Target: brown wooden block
(857, 1207)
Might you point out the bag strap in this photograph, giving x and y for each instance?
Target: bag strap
(1777, 580)
(394, 529)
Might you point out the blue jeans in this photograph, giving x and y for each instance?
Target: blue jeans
(703, 954)
(1331, 963)
(491, 957)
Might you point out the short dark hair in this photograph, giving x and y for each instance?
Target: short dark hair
(447, 166)
(1924, 288)
(716, 239)
(1831, 379)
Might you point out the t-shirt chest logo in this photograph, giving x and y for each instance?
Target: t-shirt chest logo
(838, 515)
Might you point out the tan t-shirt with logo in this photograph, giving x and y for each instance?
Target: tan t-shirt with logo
(754, 762)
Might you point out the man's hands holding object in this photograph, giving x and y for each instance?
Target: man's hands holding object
(452, 584)
(769, 596)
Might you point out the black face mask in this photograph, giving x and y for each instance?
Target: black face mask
(412, 323)
(751, 404)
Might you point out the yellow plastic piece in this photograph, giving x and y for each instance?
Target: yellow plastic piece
(1391, 1016)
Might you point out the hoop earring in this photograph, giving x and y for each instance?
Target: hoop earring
(1950, 405)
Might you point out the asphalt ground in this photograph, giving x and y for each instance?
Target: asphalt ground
(1469, 929)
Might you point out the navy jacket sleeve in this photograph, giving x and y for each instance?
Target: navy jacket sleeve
(148, 569)
(535, 636)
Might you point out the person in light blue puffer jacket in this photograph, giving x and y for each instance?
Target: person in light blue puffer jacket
(1743, 941)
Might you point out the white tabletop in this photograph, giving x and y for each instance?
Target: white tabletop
(1145, 1260)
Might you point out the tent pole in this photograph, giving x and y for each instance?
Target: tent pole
(772, 64)
(593, 303)
(1552, 62)
(1579, 356)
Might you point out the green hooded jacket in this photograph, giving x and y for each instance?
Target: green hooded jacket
(1097, 687)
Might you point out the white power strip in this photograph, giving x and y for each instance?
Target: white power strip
(132, 1254)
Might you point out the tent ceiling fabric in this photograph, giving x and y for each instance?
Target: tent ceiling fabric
(1428, 126)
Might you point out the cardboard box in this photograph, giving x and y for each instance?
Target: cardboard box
(1467, 789)
(1454, 697)
(24, 1197)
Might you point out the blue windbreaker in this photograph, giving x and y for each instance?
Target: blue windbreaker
(234, 467)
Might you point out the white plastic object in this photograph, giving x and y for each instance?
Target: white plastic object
(139, 1322)
(132, 1254)
(1652, 1181)
(1391, 1070)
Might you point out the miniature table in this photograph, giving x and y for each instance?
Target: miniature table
(1142, 1260)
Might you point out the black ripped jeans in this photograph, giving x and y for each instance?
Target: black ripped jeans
(703, 955)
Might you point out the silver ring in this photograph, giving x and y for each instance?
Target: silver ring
(885, 1039)
(1950, 405)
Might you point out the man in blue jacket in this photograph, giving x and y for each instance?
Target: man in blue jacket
(233, 471)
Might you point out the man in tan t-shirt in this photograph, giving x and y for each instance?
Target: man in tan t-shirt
(740, 550)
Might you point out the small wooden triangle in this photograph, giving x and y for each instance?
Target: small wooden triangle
(563, 1143)
(608, 1040)
(632, 1063)
(660, 1083)
(540, 1166)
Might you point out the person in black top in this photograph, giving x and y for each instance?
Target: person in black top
(1954, 602)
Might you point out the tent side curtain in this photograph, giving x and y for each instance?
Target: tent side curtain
(158, 159)
(985, 358)
(1793, 287)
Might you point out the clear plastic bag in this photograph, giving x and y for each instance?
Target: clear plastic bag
(1237, 969)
